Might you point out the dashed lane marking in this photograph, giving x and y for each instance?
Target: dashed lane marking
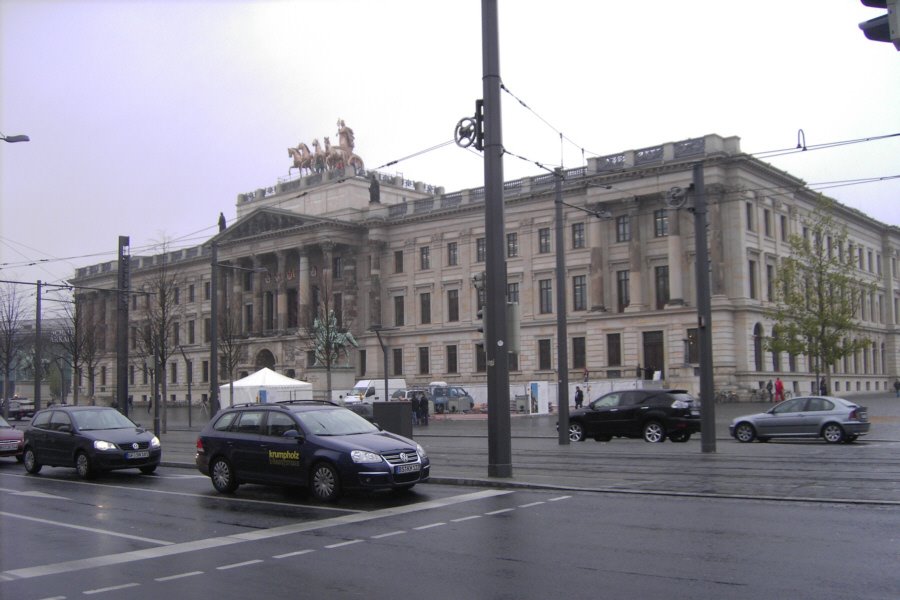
(179, 576)
(113, 588)
(295, 553)
(388, 534)
(342, 544)
(245, 563)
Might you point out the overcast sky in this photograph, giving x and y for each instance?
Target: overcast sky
(148, 118)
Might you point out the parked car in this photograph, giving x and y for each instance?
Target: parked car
(11, 440)
(318, 445)
(93, 439)
(834, 419)
(451, 399)
(20, 408)
(653, 415)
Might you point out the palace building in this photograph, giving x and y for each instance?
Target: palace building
(388, 253)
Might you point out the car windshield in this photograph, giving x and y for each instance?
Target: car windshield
(334, 422)
(3, 423)
(108, 418)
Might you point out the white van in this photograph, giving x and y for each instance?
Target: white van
(372, 390)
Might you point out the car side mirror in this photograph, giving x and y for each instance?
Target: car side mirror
(65, 428)
(293, 433)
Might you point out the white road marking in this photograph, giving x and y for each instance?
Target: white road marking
(113, 588)
(388, 534)
(530, 504)
(179, 576)
(501, 511)
(469, 518)
(342, 544)
(421, 527)
(90, 529)
(217, 542)
(558, 498)
(240, 564)
(290, 554)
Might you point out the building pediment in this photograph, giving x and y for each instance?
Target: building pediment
(263, 221)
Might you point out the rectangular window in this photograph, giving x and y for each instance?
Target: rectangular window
(751, 275)
(189, 371)
(661, 222)
(452, 254)
(545, 295)
(579, 292)
(480, 359)
(191, 338)
(363, 366)
(204, 371)
(398, 311)
(480, 298)
(614, 349)
(206, 330)
(173, 372)
(578, 235)
(248, 281)
(425, 307)
(131, 374)
(145, 374)
(749, 210)
(134, 338)
(398, 361)
(452, 363)
(480, 250)
(310, 358)
(206, 290)
(513, 359)
(453, 305)
(176, 334)
(784, 228)
(103, 375)
(398, 261)
(623, 228)
(337, 267)
(248, 318)
(191, 293)
(623, 297)
(512, 245)
(544, 240)
(512, 293)
(134, 302)
(693, 346)
(424, 366)
(177, 295)
(579, 353)
(545, 362)
(425, 258)
(767, 222)
(662, 286)
(338, 307)
(770, 283)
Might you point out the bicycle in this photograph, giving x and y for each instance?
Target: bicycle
(726, 396)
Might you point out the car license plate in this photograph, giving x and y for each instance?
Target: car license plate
(9, 445)
(410, 468)
(138, 454)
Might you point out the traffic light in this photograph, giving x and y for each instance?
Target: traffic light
(482, 327)
(885, 28)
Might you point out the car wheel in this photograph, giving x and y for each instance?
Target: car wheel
(222, 476)
(833, 433)
(745, 433)
(576, 432)
(83, 466)
(849, 439)
(148, 470)
(31, 462)
(654, 432)
(679, 436)
(325, 482)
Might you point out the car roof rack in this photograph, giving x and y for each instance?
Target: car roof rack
(328, 402)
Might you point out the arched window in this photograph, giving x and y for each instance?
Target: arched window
(265, 359)
(758, 346)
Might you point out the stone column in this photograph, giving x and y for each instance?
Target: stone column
(257, 295)
(304, 291)
(281, 266)
(597, 270)
(636, 259)
(375, 249)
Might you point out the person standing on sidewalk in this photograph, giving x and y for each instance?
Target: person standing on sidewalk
(779, 389)
(579, 397)
(769, 390)
(414, 401)
(897, 387)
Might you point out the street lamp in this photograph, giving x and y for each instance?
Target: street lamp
(378, 329)
(12, 139)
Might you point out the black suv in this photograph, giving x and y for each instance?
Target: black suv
(650, 414)
(318, 445)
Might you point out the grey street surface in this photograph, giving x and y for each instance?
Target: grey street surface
(622, 519)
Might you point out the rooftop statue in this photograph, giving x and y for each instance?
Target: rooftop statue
(327, 157)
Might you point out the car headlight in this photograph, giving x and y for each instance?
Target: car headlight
(421, 451)
(154, 442)
(101, 445)
(364, 456)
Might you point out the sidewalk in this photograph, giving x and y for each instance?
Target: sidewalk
(866, 472)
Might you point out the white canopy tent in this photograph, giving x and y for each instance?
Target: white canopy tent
(265, 386)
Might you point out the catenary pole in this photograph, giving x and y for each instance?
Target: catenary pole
(562, 336)
(704, 313)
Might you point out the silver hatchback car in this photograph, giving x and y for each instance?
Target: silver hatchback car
(835, 419)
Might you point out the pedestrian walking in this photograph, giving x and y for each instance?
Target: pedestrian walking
(779, 389)
(423, 410)
(823, 389)
(769, 390)
(414, 401)
(897, 387)
(579, 397)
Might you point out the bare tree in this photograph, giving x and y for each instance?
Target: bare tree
(231, 345)
(13, 343)
(327, 336)
(71, 341)
(161, 312)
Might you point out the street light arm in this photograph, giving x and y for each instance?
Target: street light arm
(12, 139)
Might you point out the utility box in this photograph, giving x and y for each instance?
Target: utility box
(395, 417)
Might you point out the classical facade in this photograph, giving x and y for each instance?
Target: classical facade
(398, 255)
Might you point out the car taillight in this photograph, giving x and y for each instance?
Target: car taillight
(200, 448)
(680, 404)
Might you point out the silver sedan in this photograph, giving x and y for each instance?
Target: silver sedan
(835, 419)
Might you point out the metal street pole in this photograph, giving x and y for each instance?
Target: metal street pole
(189, 375)
(214, 331)
(704, 314)
(124, 285)
(496, 352)
(37, 350)
(377, 331)
(562, 336)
